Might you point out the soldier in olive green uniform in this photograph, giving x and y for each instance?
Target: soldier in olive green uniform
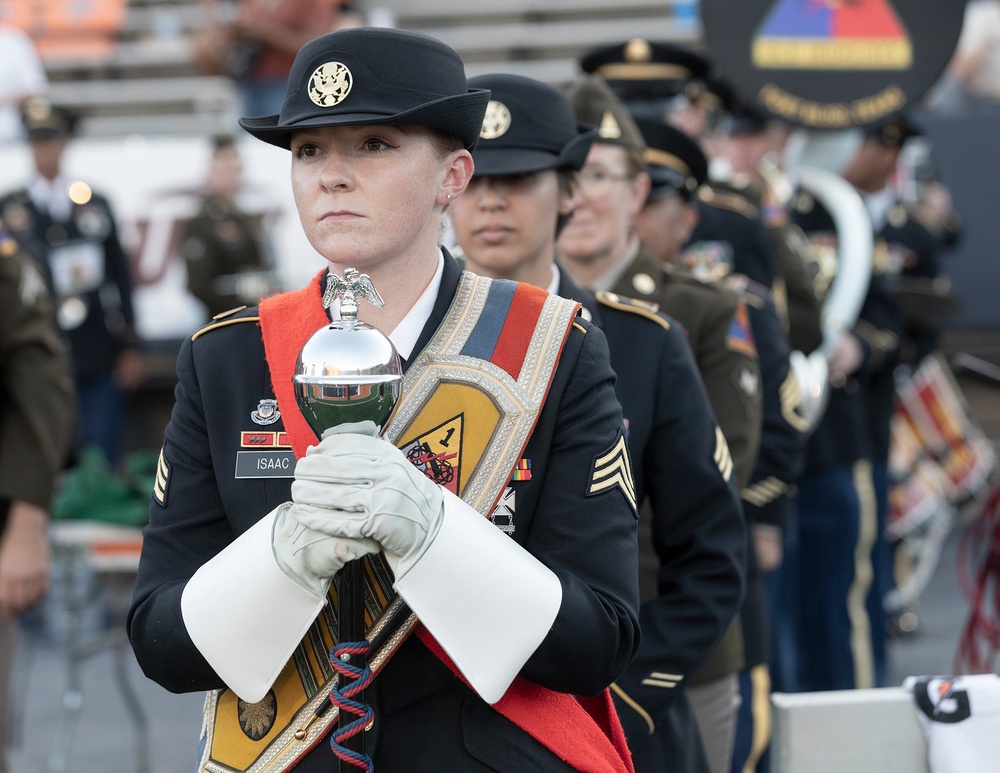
(36, 427)
(223, 246)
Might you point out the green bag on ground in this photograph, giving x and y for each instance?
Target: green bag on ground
(91, 490)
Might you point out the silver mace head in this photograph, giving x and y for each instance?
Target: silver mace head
(347, 371)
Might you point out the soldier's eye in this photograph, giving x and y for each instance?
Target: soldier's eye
(305, 150)
(377, 145)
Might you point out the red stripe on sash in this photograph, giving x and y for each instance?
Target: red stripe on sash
(584, 732)
(512, 345)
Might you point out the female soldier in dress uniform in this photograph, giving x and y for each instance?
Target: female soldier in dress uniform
(521, 629)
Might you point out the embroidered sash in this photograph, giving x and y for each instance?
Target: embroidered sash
(469, 402)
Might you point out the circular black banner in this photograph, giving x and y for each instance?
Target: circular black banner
(832, 64)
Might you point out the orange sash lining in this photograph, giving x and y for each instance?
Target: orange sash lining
(584, 732)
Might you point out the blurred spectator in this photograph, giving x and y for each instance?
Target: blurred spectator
(70, 232)
(21, 76)
(224, 248)
(255, 42)
(36, 426)
(973, 75)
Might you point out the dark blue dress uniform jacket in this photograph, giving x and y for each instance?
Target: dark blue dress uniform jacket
(692, 538)
(856, 422)
(426, 718)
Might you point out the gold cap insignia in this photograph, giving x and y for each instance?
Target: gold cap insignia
(643, 283)
(638, 50)
(609, 129)
(330, 84)
(496, 122)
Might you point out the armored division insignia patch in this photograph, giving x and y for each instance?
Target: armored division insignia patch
(613, 469)
(722, 458)
(438, 453)
(8, 246)
(161, 481)
(740, 339)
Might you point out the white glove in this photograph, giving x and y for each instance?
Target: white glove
(309, 557)
(359, 486)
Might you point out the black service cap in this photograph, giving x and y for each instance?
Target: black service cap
(375, 75)
(529, 126)
(673, 159)
(43, 120)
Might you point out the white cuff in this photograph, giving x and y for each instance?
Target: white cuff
(486, 600)
(245, 615)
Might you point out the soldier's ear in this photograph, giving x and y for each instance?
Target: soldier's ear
(458, 173)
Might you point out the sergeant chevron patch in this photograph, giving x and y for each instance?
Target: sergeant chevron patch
(613, 468)
(792, 407)
(162, 479)
(723, 459)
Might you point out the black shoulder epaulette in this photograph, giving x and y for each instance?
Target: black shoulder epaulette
(224, 320)
(632, 305)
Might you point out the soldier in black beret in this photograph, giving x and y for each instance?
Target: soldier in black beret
(498, 509)
(691, 545)
(70, 231)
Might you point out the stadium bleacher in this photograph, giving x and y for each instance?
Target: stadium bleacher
(140, 76)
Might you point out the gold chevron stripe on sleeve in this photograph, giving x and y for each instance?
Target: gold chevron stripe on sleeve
(613, 468)
(723, 459)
